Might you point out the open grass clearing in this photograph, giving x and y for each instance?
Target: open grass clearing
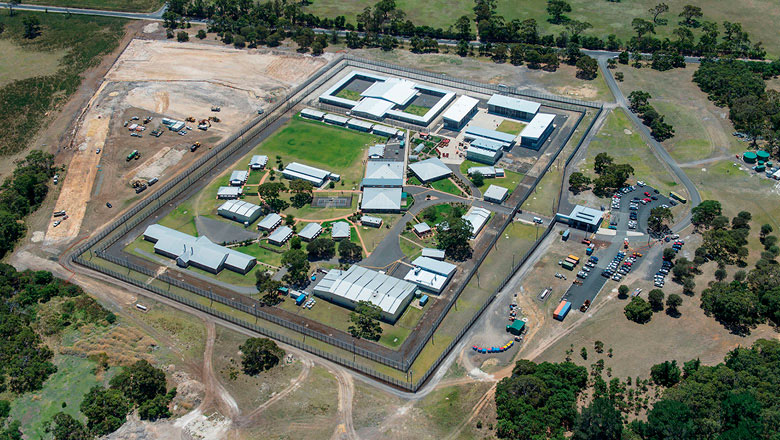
(25, 62)
(373, 236)
(447, 407)
(411, 249)
(416, 110)
(510, 127)
(182, 218)
(248, 391)
(262, 254)
(349, 94)
(447, 186)
(510, 180)
(27, 102)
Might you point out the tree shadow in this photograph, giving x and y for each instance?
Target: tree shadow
(673, 313)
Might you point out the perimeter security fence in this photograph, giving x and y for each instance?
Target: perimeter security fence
(97, 244)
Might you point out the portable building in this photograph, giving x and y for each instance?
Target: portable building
(312, 114)
(270, 222)
(436, 254)
(368, 220)
(300, 171)
(258, 162)
(238, 177)
(357, 124)
(482, 155)
(516, 328)
(280, 235)
(228, 192)
(335, 119)
(310, 231)
(340, 231)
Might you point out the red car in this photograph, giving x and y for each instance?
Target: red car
(647, 194)
(646, 200)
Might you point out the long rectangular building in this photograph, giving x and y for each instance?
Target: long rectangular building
(537, 131)
(482, 155)
(198, 252)
(297, 170)
(240, 211)
(460, 112)
(348, 288)
(430, 274)
(474, 133)
(513, 107)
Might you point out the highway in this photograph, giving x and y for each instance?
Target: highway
(157, 15)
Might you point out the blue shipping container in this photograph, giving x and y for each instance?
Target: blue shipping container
(565, 235)
(301, 298)
(563, 312)
(424, 300)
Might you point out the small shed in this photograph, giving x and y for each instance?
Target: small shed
(340, 231)
(516, 328)
(422, 229)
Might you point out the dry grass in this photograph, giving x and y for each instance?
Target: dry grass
(123, 345)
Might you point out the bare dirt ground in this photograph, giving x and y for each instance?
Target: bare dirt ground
(161, 79)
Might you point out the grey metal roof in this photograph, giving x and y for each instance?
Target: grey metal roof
(485, 171)
(361, 284)
(586, 215)
(373, 106)
(460, 108)
(437, 254)
(384, 170)
(270, 221)
(306, 170)
(422, 228)
(310, 231)
(491, 134)
(487, 144)
(395, 90)
(495, 192)
(239, 176)
(239, 208)
(477, 217)
(483, 155)
(198, 250)
(340, 230)
(370, 220)
(385, 131)
(440, 267)
(258, 161)
(228, 191)
(313, 114)
(514, 103)
(336, 119)
(430, 169)
(360, 124)
(280, 235)
(377, 150)
(381, 199)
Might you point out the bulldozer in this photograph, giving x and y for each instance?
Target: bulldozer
(204, 124)
(213, 119)
(190, 119)
(215, 108)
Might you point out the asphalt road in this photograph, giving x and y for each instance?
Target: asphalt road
(157, 15)
(693, 193)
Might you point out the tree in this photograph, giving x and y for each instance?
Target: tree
(201, 34)
(454, 240)
(602, 162)
(642, 27)
(666, 374)
(32, 26)
(623, 291)
(11, 5)
(766, 229)
(477, 179)
(269, 287)
(321, 249)
(64, 427)
(258, 355)
(182, 36)
(673, 302)
(669, 419)
(270, 190)
(140, 382)
(556, 9)
(705, 212)
(689, 14)
(659, 216)
(598, 346)
(656, 299)
(600, 420)
(733, 304)
(157, 408)
(297, 267)
(669, 254)
(638, 310)
(576, 27)
(365, 321)
(578, 182)
(303, 193)
(657, 10)
(638, 100)
(350, 252)
(105, 410)
(624, 57)
(587, 67)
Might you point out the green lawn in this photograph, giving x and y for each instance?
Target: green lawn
(182, 218)
(510, 127)
(255, 177)
(262, 254)
(409, 249)
(73, 42)
(73, 379)
(373, 236)
(111, 5)
(413, 180)
(25, 62)
(416, 110)
(349, 94)
(446, 185)
(510, 180)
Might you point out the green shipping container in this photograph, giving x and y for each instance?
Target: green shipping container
(568, 266)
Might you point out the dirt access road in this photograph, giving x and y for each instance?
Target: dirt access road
(165, 78)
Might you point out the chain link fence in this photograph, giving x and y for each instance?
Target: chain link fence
(225, 149)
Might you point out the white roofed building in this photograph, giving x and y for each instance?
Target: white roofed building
(436, 254)
(228, 192)
(297, 170)
(238, 177)
(495, 194)
(310, 231)
(347, 288)
(240, 211)
(368, 220)
(380, 199)
(582, 217)
(429, 170)
(376, 151)
(482, 155)
(280, 235)
(270, 222)
(537, 131)
(459, 112)
(477, 217)
(430, 274)
(258, 162)
(513, 107)
(312, 114)
(340, 231)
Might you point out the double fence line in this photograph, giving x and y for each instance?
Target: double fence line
(225, 149)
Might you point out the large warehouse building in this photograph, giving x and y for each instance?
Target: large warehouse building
(198, 252)
(382, 186)
(513, 107)
(347, 288)
(388, 97)
(537, 131)
(460, 112)
(240, 211)
(429, 170)
(316, 176)
(582, 217)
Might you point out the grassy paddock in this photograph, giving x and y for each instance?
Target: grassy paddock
(112, 5)
(510, 180)
(26, 102)
(446, 185)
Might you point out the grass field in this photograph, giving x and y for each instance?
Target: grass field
(448, 186)
(111, 5)
(510, 127)
(416, 110)
(349, 94)
(335, 149)
(373, 236)
(262, 254)
(182, 219)
(26, 102)
(73, 379)
(510, 180)
(21, 63)
(606, 18)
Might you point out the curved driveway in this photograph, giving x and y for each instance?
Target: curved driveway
(693, 193)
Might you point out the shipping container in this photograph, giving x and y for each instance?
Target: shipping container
(562, 310)
(574, 262)
(589, 251)
(424, 300)
(568, 266)
(565, 235)
(575, 258)
(299, 300)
